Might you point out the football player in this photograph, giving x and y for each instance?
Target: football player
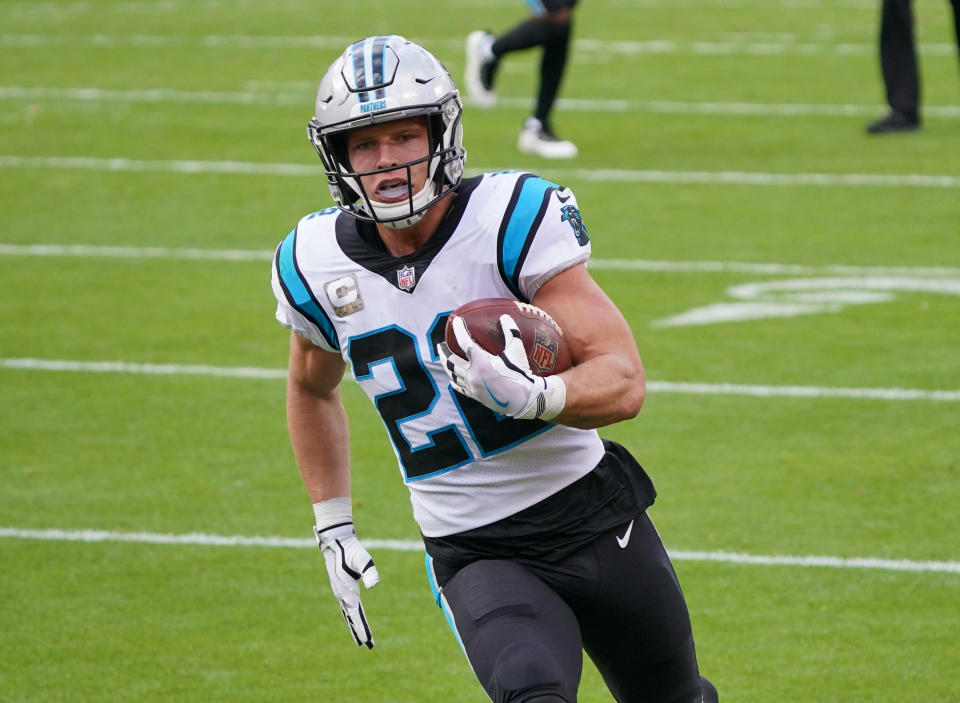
(537, 538)
(549, 28)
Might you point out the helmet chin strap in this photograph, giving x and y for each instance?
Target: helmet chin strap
(386, 212)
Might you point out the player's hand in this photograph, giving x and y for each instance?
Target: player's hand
(504, 382)
(348, 563)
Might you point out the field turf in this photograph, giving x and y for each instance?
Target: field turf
(805, 450)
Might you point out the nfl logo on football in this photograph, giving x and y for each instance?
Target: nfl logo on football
(544, 353)
(407, 278)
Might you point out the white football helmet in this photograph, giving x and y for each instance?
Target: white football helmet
(377, 80)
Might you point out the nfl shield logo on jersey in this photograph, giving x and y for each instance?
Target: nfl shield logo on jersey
(407, 278)
(543, 356)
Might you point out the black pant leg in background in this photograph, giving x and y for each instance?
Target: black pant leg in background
(956, 22)
(898, 56)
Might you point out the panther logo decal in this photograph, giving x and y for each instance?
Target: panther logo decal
(571, 214)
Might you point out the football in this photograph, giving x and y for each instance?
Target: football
(543, 340)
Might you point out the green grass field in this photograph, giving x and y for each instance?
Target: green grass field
(806, 452)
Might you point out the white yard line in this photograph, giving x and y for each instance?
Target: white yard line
(272, 97)
(90, 163)
(208, 540)
(64, 9)
(803, 391)
(735, 178)
(773, 269)
(145, 369)
(117, 252)
(247, 372)
(157, 95)
(454, 47)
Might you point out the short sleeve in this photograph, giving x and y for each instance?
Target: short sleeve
(542, 234)
(297, 307)
(560, 242)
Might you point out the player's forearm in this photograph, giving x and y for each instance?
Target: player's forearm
(320, 438)
(603, 390)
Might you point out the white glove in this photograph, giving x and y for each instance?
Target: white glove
(347, 563)
(504, 383)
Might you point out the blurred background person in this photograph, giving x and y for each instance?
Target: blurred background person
(898, 61)
(549, 27)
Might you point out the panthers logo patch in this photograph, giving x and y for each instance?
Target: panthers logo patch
(571, 214)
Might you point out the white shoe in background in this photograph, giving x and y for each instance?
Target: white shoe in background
(534, 139)
(478, 74)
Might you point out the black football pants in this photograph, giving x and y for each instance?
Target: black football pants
(523, 625)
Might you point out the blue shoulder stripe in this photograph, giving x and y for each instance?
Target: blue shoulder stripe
(298, 292)
(522, 219)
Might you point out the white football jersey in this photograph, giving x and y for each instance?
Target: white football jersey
(504, 235)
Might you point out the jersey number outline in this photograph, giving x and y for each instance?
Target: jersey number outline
(418, 394)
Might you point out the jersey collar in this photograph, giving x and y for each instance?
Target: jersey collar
(360, 241)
